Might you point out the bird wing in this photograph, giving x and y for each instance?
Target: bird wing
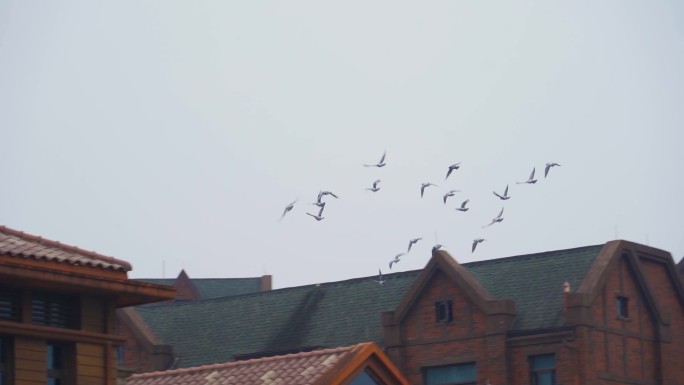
(465, 202)
(474, 246)
(320, 211)
(506, 191)
(422, 190)
(500, 197)
(532, 175)
(383, 157)
(333, 195)
(445, 197)
(449, 173)
(546, 169)
(501, 213)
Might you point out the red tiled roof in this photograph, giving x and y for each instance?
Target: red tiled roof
(291, 369)
(19, 244)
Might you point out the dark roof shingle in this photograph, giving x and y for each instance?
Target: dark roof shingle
(215, 287)
(347, 312)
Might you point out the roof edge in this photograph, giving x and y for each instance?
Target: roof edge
(125, 266)
(212, 367)
(443, 261)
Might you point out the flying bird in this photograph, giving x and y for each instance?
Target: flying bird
(375, 187)
(318, 217)
(396, 259)
(380, 280)
(504, 196)
(463, 206)
(436, 247)
(412, 242)
(548, 167)
(498, 218)
(321, 194)
(450, 194)
(381, 163)
(453, 167)
(288, 208)
(423, 186)
(475, 242)
(531, 179)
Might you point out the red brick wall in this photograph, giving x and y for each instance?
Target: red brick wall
(135, 356)
(664, 291)
(624, 348)
(430, 343)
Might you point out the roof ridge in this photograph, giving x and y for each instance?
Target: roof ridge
(249, 362)
(197, 279)
(274, 291)
(69, 248)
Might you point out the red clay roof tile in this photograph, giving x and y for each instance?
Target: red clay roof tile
(291, 369)
(19, 244)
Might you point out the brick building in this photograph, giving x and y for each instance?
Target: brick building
(605, 314)
(143, 350)
(57, 306)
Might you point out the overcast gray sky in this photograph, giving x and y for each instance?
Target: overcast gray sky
(176, 132)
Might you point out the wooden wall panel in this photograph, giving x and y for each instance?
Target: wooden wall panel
(92, 315)
(29, 361)
(90, 363)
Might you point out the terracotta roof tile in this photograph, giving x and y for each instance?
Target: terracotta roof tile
(291, 369)
(19, 244)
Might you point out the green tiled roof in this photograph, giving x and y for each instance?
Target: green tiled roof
(330, 314)
(535, 282)
(348, 312)
(215, 287)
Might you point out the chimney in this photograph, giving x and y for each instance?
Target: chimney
(566, 291)
(265, 283)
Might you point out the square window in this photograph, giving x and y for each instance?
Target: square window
(54, 310)
(443, 311)
(543, 369)
(460, 374)
(622, 304)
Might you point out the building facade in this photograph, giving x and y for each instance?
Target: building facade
(57, 311)
(596, 315)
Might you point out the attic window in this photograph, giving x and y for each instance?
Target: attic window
(622, 304)
(443, 311)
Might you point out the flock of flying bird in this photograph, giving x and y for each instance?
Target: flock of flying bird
(320, 203)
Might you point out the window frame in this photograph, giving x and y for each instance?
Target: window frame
(10, 304)
(65, 373)
(467, 382)
(622, 306)
(535, 372)
(6, 360)
(56, 309)
(445, 307)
